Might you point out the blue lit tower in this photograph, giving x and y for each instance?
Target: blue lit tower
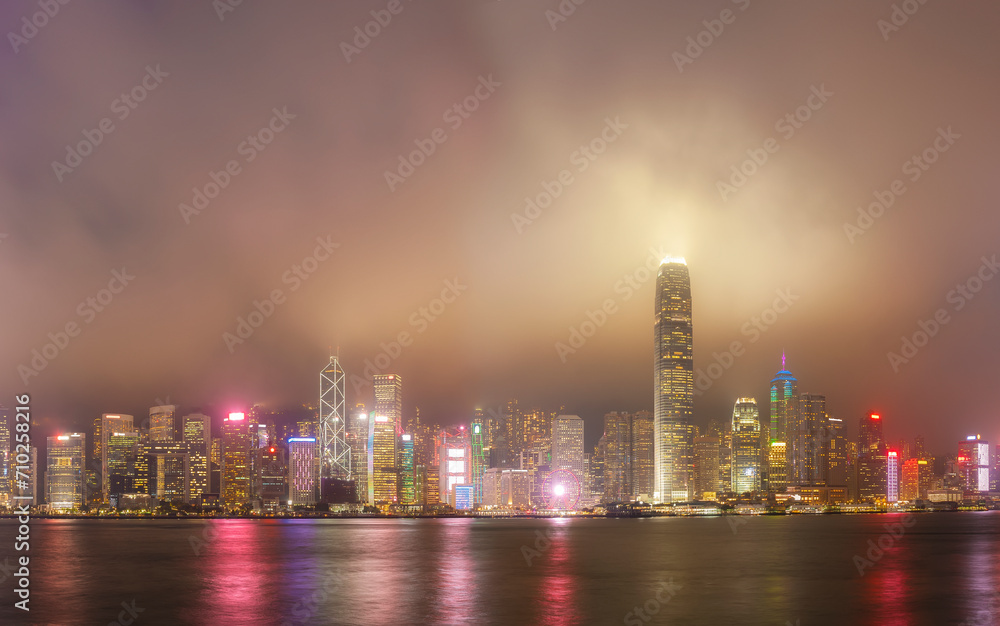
(785, 418)
(673, 382)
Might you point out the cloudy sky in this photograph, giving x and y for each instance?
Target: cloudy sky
(626, 123)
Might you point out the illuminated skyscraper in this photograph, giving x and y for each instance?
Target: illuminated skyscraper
(123, 451)
(407, 492)
(389, 398)
(357, 434)
(567, 445)
(64, 471)
(807, 449)
(835, 456)
(777, 470)
(870, 429)
(382, 458)
(197, 432)
(617, 457)
(162, 420)
(746, 454)
(455, 467)
(273, 478)
(478, 458)
(303, 479)
(235, 461)
(169, 471)
(974, 463)
(917, 477)
(706, 467)
(109, 424)
(643, 466)
(784, 416)
(892, 476)
(673, 383)
(334, 449)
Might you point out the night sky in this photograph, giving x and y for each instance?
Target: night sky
(665, 118)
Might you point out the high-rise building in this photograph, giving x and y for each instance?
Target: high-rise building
(108, 424)
(235, 461)
(303, 478)
(335, 452)
(389, 398)
(407, 488)
(706, 467)
(382, 458)
(567, 445)
(746, 453)
(197, 433)
(123, 451)
(807, 452)
(835, 458)
(974, 463)
(870, 429)
(357, 440)
(673, 383)
(273, 478)
(643, 478)
(478, 458)
(777, 477)
(892, 476)
(162, 423)
(169, 471)
(917, 477)
(784, 417)
(455, 466)
(64, 471)
(617, 457)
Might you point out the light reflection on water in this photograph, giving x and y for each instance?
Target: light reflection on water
(944, 570)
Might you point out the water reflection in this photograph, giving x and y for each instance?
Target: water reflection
(557, 598)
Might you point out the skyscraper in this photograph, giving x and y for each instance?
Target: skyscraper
(303, 479)
(382, 458)
(109, 423)
(807, 450)
(706, 467)
(357, 434)
(784, 416)
(974, 463)
(870, 429)
(567, 445)
(643, 463)
(617, 457)
(64, 471)
(162, 423)
(407, 491)
(389, 398)
(235, 461)
(746, 454)
(673, 383)
(334, 449)
(197, 433)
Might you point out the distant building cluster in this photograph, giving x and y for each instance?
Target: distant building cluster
(504, 460)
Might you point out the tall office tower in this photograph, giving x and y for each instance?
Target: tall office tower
(567, 445)
(726, 458)
(303, 478)
(110, 423)
(777, 478)
(215, 466)
(64, 471)
(974, 463)
(706, 466)
(478, 458)
(892, 476)
(235, 461)
(169, 471)
(123, 452)
(383, 484)
(389, 398)
(870, 430)
(162, 423)
(785, 420)
(917, 477)
(513, 433)
(872, 475)
(643, 464)
(673, 383)
(197, 433)
(357, 434)
(454, 455)
(407, 487)
(7, 474)
(536, 426)
(617, 459)
(334, 449)
(273, 478)
(837, 458)
(746, 452)
(805, 441)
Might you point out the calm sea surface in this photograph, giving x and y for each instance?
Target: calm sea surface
(945, 569)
